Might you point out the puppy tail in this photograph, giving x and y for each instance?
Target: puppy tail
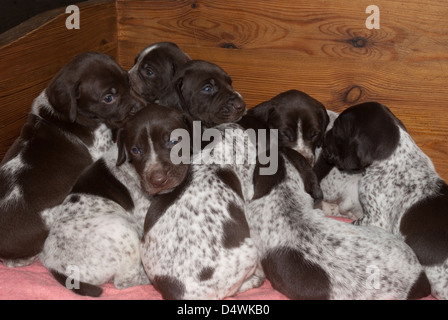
(421, 288)
(81, 288)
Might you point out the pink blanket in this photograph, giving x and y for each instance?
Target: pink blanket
(35, 282)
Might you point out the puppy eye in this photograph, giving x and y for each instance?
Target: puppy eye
(136, 151)
(208, 88)
(149, 72)
(109, 98)
(313, 135)
(173, 142)
(288, 134)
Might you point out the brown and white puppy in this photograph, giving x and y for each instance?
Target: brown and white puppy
(399, 188)
(196, 242)
(300, 119)
(302, 122)
(153, 72)
(68, 128)
(204, 90)
(148, 145)
(304, 254)
(108, 204)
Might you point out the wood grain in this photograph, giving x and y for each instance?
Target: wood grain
(29, 62)
(320, 47)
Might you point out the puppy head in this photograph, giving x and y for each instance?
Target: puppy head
(206, 93)
(92, 89)
(154, 68)
(147, 140)
(301, 121)
(360, 135)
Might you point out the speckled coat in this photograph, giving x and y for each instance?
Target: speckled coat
(197, 243)
(403, 194)
(94, 239)
(308, 256)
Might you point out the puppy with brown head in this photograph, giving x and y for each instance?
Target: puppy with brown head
(148, 145)
(300, 119)
(153, 72)
(205, 92)
(399, 188)
(68, 128)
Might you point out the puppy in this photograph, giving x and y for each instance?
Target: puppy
(97, 230)
(308, 256)
(196, 242)
(68, 128)
(300, 119)
(302, 122)
(152, 75)
(339, 188)
(204, 91)
(400, 189)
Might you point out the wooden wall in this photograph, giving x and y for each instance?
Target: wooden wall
(321, 47)
(33, 52)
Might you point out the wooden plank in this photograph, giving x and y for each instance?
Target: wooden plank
(409, 31)
(320, 47)
(28, 63)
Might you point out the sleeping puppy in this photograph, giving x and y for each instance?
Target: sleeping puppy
(153, 72)
(204, 91)
(68, 128)
(308, 256)
(302, 122)
(97, 230)
(339, 188)
(300, 119)
(400, 189)
(196, 242)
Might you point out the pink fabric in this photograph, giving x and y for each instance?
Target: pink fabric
(34, 282)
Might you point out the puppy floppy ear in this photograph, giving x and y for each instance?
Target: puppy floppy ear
(263, 111)
(365, 152)
(122, 154)
(63, 93)
(186, 118)
(324, 119)
(178, 85)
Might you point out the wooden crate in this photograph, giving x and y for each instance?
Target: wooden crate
(321, 47)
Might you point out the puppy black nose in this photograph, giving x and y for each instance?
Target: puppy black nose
(158, 178)
(237, 103)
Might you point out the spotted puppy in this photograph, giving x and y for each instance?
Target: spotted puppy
(196, 242)
(68, 128)
(301, 122)
(95, 233)
(339, 187)
(152, 75)
(400, 189)
(308, 256)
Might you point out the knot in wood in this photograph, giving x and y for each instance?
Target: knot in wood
(358, 42)
(353, 94)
